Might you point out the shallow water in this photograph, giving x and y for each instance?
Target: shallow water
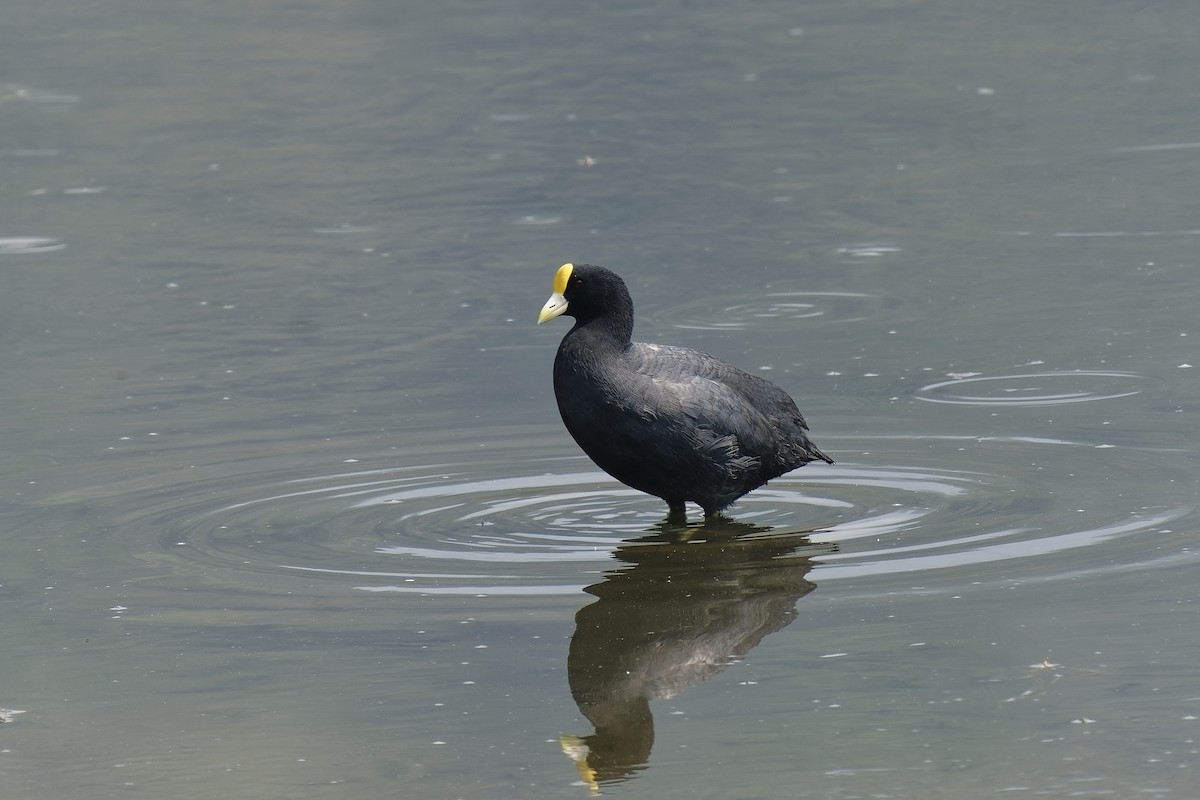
(289, 508)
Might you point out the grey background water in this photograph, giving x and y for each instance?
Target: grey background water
(288, 509)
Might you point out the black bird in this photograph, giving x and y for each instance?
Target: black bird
(672, 422)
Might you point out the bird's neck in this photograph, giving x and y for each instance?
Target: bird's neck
(614, 326)
(588, 346)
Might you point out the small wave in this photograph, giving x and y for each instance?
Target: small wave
(1033, 389)
(773, 309)
(29, 244)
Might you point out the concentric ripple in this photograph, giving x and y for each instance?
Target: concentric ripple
(772, 308)
(1033, 388)
(514, 522)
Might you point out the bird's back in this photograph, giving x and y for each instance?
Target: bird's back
(679, 423)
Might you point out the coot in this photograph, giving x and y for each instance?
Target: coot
(672, 422)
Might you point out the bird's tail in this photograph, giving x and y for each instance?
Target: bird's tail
(814, 454)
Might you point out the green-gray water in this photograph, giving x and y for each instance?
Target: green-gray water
(288, 510)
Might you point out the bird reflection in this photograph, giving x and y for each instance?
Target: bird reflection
(688, 601)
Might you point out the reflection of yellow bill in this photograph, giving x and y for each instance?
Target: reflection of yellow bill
(578, 751)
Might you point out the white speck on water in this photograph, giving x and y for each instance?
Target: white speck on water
(536, 219)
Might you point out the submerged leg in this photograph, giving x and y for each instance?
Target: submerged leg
(676, 513)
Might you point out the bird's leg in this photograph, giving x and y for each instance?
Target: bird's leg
(676, 513)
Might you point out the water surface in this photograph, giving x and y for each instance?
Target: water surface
(289, 508)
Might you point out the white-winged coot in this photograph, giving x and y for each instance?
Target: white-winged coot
(672, 422)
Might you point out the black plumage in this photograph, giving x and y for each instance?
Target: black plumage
(672, 422)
